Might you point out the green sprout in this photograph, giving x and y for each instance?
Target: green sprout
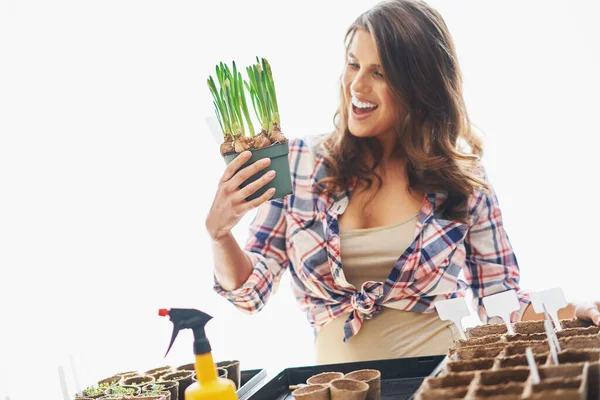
(154, 390)
(232, 109)
(120, 391)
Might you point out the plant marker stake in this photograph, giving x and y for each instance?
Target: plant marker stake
(453, 310)
(532, 366)
(549, 330)
(554, 299)
(63, 383)
(77, 385)
(298, 386)
(554, 337)
(502, 305)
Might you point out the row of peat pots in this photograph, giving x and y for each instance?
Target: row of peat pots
(164, 383)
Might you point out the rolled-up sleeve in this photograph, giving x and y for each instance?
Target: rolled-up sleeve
(491, 265)
(266, 248)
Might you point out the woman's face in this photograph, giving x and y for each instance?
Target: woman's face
(364, 85)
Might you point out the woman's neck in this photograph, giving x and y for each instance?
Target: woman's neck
(390, 162)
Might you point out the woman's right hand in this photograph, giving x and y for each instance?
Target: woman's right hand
(230, 204)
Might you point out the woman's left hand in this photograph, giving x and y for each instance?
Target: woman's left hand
(588, 312)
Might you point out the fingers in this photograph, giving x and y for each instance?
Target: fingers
(594, 315)
(259, 200)
(589, 312)
(249, 171)
(235, 165)
(254, 186)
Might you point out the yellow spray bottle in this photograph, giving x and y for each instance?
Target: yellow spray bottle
(209, 385)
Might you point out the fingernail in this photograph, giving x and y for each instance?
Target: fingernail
(247, 153)
(265, 160)
(271, 174)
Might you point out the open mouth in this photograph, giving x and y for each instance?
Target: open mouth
(363, 111)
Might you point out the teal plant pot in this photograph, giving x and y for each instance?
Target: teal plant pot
(278, 153)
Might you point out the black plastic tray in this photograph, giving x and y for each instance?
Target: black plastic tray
(249, 380)
(400, 377)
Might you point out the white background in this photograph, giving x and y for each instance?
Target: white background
(107, 168)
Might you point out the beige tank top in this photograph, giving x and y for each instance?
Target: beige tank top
(369, 255)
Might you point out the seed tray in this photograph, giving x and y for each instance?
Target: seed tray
(400, 377)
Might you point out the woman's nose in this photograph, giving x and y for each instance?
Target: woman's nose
(359, 84)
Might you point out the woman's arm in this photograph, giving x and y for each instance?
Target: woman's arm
(232, 266)
(490, 266)
(259, 265)
(586, 311)
(565, 313)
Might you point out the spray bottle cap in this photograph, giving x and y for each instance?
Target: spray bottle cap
(189, 318)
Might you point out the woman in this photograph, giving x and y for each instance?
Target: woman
(387, 210)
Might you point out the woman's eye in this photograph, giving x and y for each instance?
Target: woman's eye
(355, 66)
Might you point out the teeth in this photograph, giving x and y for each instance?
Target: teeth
(360, 104)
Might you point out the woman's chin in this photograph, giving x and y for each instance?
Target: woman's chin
(361, 132)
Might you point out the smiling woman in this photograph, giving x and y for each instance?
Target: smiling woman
(401, 99)
(105, 163)
(389, 210)
(366, 89)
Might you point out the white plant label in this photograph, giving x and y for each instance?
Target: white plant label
(532, 366)
(554, 299)
(453, 310)
(502, 305)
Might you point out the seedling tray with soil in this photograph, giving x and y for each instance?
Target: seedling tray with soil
(492, 364)
(400, 377)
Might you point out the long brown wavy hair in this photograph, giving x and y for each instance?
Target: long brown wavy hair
(435, 135)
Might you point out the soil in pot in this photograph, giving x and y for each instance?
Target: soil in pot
(138, 380)
(446, 394)
(478, 364)
(111, 380)
(92, 392)
(186, 367)
(221, 373)
(512, 391)
(120, 391)
(184, 378)
(451, 380)
(158, 372)
(127, 374)
(155, 395)
(170, 386)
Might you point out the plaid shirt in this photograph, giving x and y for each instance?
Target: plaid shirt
(300, 233)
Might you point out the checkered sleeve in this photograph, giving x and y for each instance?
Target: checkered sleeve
(491, 265)
(266, 249)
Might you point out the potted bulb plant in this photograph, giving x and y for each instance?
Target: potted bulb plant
(231, 107)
